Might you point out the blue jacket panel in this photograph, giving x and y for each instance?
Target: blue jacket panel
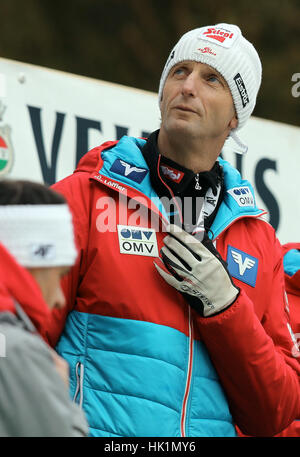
(129, 376)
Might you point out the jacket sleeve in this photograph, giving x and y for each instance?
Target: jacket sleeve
(254, 358)
(75, 189)
(35, 401)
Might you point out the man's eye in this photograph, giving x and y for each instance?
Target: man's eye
(213, 78)
(179, 71)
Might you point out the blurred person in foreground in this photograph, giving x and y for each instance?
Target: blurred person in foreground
(175, 323)
(36, 250)
(291, 264)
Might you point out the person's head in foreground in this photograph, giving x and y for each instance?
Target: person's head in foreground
(36, 228)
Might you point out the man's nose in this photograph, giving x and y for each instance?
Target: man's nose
(189, 85)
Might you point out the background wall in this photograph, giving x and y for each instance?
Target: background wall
(128, 41)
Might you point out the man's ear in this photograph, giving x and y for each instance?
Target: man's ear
(233, 123)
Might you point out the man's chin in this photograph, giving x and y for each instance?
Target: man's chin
(180, 127)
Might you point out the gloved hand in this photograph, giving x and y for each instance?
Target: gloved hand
(197, 270)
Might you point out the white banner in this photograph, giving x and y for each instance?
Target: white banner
(49, 119)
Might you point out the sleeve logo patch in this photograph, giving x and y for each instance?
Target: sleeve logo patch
(243, 196)
(242, 266)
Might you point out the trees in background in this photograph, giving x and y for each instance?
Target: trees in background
(128, 41)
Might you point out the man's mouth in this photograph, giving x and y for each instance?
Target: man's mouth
(185, 108)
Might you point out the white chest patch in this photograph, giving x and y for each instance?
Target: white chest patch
(137, 240)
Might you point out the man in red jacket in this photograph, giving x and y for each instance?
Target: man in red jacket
(176, 321)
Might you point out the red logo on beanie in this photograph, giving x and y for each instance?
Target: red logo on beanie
(207, 50)
(218, 34)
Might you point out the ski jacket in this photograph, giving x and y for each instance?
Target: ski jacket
(143, 363)
(34, 400)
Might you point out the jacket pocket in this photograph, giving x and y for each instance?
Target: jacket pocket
(79, 372)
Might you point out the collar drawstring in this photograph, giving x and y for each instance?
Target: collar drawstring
(240, 147)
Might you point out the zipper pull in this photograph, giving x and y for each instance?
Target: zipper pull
(79, 370)
(197, 185)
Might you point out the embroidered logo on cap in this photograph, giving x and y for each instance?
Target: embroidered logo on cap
(42, 251)
(171, 173)
(128, 170)
(242, 266)
(207, 50)
(242, 89)
(219, 35)
(171, 57)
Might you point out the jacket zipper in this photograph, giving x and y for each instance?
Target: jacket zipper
(78, 396)
(189, 377)
(191, 336)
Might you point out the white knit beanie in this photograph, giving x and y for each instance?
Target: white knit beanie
(224, 48)
(38, 235)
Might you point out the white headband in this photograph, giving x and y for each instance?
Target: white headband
(38, 235)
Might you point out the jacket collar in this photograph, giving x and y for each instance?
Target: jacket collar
(239, 197)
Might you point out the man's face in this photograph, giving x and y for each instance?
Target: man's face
(197, 101)
(49, 280)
